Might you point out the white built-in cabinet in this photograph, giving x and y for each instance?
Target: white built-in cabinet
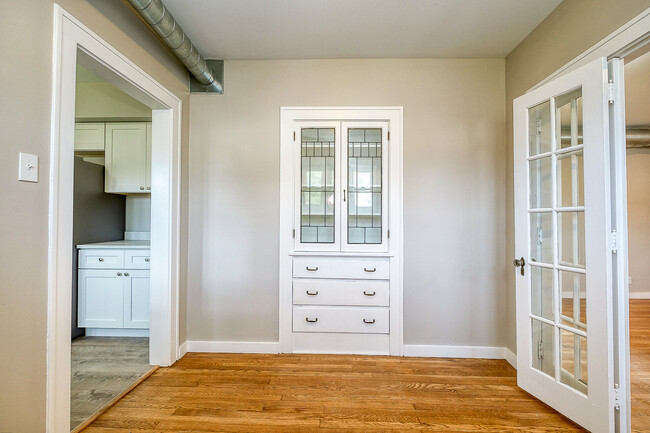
(341, 223)
(113, 288)
(127, 153)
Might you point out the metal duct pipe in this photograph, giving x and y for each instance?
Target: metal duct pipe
(634, 137)
(170, 32)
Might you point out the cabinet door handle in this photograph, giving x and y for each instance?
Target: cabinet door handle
(312, 269)
(142, 188)
(101, 259)
(126, 274)
(369, 270)
(312, 293)
(311, 320)
(146, 259)
(369, 294)
(119, 274)
(369, 322)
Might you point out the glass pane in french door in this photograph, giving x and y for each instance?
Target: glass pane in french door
(364, 164)
(557, 240)
(317, 185)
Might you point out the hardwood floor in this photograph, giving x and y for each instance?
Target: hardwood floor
(328, 393)
(640, 364)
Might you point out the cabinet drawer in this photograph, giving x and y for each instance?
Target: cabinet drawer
(341, 292)
(325, 267)
(370, 320)
(101, 259)
(136, 259)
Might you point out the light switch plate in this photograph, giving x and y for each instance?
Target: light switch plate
(28, 167)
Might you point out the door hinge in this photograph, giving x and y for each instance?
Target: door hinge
(388, 135)
(388, 234)
(294, 135)
(617, 396)
(294, 233)
(611, 97)
(540, 350)
(613, 241)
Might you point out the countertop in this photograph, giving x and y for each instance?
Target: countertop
(122, 245)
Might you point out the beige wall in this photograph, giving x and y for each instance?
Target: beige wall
(638, 218)
(103, 101)
(25, 86)
(573, 27)
(454, 192)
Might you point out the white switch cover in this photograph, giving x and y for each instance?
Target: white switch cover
(28, 167)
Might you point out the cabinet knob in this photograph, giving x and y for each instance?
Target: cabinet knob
(126, 274)
(142, 188)
(100, 259)
(148, 188)
(119, 274)
(146, 259)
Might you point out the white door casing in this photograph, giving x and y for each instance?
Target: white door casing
(552, 201)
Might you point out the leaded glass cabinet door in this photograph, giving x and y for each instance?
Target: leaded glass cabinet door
(563, 278)
(364, 181)
(317, 179)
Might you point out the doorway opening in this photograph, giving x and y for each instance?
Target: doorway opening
(106, 273)
(637, 119)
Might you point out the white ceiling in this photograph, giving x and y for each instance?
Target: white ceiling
(337, 29)
(637, 91)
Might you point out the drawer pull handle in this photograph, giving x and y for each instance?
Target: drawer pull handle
(370, 270)
(100, 259)
(369, 294)
(312, 293)
(369, 322)
(312, 269)
(146, 259)
(310, 320)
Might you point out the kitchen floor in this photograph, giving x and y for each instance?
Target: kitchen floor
(101, 368)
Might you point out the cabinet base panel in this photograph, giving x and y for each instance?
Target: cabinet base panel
(348, 344)
(117, 332)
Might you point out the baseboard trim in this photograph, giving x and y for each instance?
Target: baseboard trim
(233, 346)
(510, 357)
(434, 351)
(639, 295)
(116, 332)
(182, 350)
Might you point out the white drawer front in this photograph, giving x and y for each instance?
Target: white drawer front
(370, 320)
(136, 259)
(101, 259)
(325, 267)
(341, 292)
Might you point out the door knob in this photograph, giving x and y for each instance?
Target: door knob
(520, 263)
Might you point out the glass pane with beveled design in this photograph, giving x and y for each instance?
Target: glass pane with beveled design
(541, 293)
(571, 238)
(573, 308)
(541, 183)
(317, 185)
(543, 339)
(568, 112)
(365, 151)
(539, 129)
(541, 237)
(570, 179)
(574, 361)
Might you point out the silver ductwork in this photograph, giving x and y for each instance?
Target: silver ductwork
(154, 13)
(634, 137)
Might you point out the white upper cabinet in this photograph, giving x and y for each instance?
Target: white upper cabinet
(89, 137)
(128, 157)
(341, 186)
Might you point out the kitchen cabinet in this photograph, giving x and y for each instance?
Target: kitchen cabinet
(89, 137)
(128, 157)
(113, 288)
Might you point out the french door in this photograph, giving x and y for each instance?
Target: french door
(563, 246)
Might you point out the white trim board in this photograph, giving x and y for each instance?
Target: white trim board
(639, 295)
(435, 351)
(232, 346)
(116, 332)
(73, 42)
(510, 357)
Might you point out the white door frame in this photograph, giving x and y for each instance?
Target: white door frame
(70, 38)
(617, 45)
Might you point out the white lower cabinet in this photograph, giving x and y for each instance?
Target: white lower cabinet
(116, 297)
